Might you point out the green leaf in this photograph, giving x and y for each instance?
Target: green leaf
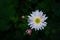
(23, 26)
(47, 33)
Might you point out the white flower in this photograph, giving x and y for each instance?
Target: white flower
(37, 20)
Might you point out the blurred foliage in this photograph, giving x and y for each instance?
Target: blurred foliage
(12, 26)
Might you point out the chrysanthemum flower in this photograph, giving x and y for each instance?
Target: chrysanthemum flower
(37, 20)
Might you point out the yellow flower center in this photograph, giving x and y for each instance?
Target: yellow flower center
(37, 20)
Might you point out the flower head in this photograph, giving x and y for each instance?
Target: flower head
(37, 20)
(22, 17)
(29, 31)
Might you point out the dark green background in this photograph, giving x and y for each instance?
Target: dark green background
(13, 27)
